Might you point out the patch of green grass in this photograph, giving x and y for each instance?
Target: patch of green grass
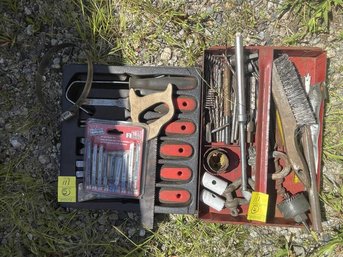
(32, 223)
(8, 30)
(333, 130)
(313, 15)
(340, 37)
(96, 26)
(309, 17)
(186, 235)
(333, 248)
(10, 5)
(138, 30)
(333, 197)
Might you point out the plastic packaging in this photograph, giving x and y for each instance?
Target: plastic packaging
(113, 159)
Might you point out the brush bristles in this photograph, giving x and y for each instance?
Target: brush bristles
(294, 91)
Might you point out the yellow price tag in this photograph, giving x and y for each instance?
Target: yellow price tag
(258, 207)
(296, 179)
(66, 189)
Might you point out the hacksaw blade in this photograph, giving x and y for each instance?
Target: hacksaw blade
(147, 202)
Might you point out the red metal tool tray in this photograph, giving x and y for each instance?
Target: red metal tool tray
(310, 61)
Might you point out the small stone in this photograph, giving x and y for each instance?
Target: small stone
(113, 217)
(189, 42)
(56, 66)
(17, 142)
(8, 126)
(102, 220)
(29, 30)
(56, 60)
(53, 42)
(326, 238)
(261, 35)
(173, 59)
(2, 122)
(315, 41)
(24, 111)
(2, 60)
(166, 54)
(331, 53)
(142, 232)
(30, 236)
(131, 215)
(299, 251)
(331, 38)
(131, 232)
(4, 241)
(43, 159)
(27, 11)
(253, 234)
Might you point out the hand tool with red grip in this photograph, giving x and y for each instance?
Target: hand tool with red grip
(180, 127)
(174, 196)
(177, 174)
(181, 103)
(174, 150)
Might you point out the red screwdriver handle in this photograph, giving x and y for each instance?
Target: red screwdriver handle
(174, 196)
(180, 127)
(182, 174)
(176, 150)
(185, 103)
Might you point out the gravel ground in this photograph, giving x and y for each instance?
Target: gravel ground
(30, 137)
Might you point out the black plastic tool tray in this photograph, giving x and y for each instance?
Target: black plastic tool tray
(72, 133)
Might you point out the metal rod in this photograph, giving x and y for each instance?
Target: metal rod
(94, 165)
(313, 195)
(242, 117)
(100, 166)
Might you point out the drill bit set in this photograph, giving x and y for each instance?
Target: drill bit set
(113, 160)
(230, 105)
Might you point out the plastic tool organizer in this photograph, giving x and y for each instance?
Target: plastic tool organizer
(178, 143)
(308, 61)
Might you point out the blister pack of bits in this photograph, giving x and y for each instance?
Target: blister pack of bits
(113, 159)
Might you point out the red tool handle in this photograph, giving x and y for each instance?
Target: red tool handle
(176, 150)
(180, 127)
(175, 173)
(174, 196)
(185, 103)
